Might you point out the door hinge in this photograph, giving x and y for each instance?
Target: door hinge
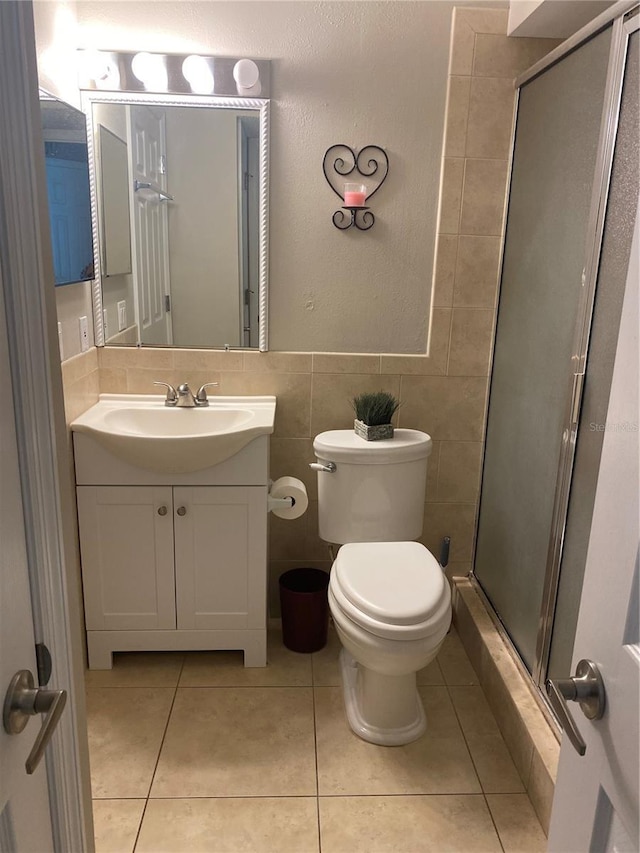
(245, 181)
(163, 164)
(43, 663)
(167, 303)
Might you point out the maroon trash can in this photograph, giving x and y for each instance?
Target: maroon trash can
(305, 609)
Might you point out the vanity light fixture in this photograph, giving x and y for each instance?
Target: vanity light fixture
(197, 71)
(151, 70)
(246, 74)
(179, 74)
(100, 67)
(339, 162)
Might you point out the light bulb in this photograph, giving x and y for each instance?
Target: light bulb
(246, 73)
(150, 70)
(101, 68)
(198, 73)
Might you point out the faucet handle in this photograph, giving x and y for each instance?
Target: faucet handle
(201, 396)
(172, 396)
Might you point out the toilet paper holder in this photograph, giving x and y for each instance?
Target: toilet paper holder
(279, 503)
(287, 498)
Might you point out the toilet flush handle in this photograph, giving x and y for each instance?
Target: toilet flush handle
(329, 468)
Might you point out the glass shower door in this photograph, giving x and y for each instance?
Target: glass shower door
(556, 147)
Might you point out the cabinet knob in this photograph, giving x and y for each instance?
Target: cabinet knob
(162, 510)
(181, 510)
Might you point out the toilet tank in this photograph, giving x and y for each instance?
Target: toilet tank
(377, 491)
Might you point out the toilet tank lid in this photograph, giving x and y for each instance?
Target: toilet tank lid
(406, 445)
(398, 583)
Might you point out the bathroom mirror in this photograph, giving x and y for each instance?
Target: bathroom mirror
(180, 212)
(67, 169)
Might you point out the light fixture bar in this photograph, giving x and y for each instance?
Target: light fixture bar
(113, 71)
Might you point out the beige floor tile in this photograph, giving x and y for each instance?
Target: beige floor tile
(445, 824)
(454, 663)
(430, 675)
(125, 732)
(438, 762)
(517, 824)
(115, 824)
(488, 750)
(138, 669)
(326, 671)
(242, 742)
(226, 669)
(260, 825)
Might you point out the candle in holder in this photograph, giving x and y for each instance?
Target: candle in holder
(354, 195)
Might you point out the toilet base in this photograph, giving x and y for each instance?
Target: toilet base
(400, 693)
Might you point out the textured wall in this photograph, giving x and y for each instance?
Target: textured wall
(359, 73)
(445, 393)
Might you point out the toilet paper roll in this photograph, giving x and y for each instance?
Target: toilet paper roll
(290, 487)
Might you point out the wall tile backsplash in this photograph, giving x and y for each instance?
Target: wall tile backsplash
(444, 393)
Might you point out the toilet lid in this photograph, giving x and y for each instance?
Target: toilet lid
(395, 583)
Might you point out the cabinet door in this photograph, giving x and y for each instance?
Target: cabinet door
(126, 542)
(221, 554)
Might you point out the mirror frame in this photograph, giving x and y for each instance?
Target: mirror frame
(89, 97)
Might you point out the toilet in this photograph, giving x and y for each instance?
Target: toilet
(388, 596)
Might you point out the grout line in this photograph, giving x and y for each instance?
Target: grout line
(164, 735)
(484, 796)
(315, 753)
(464, 737)
(314, 797)
(493, 822)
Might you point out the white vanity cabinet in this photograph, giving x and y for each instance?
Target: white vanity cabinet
(173, 561)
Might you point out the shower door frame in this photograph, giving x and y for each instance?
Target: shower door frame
(624, 16)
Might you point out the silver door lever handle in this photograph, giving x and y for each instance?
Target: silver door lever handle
(24, 700)
(329, 468)
(586, 688)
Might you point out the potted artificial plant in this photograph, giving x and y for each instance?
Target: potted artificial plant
(373, 415)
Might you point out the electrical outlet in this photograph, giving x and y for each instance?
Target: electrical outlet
(105, 327)
(122, 315)
(60, 344)
(84, 333)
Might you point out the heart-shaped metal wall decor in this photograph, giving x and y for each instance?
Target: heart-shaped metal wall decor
(340, 161)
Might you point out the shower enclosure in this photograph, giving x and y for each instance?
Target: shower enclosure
(572, 203)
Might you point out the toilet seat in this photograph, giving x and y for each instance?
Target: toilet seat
(394, 590)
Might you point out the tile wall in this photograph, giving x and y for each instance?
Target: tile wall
(444, 393)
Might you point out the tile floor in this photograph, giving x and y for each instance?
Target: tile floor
(192, 752)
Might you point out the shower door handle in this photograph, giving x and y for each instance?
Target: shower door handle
(586, 688)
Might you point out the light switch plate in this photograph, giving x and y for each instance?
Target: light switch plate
(122, 315)
(84, 333)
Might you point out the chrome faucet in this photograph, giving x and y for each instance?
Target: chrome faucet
(183, 398)
(186, 400)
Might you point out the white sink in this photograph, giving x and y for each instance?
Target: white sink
(142, 431)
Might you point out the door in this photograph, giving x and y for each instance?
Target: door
(596, 802)
(126, 543)
(25, 822)
(554, 161)
(147, 153)
(220, 557)
(34, 597)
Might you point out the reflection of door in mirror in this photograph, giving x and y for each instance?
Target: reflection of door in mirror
(249, 194)
(148, 168)
(115, 220)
